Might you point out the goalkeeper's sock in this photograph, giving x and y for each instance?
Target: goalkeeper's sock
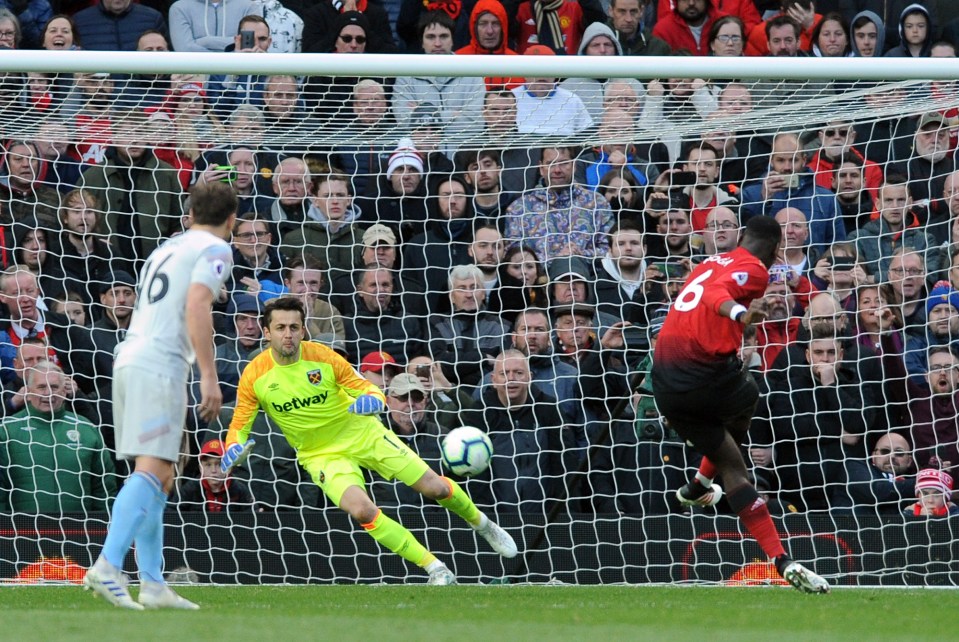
(460, 503)
(751, 508)
(129, 510)
(397, 538)
(149, 540)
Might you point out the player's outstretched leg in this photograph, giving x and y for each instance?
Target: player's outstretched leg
(451, 496)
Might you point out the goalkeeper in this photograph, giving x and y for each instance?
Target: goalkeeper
(328, 414)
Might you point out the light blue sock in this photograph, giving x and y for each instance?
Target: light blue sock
(149, 540)
(131, 507)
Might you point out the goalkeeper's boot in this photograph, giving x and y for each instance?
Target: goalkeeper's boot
(441, 576)
(802, 579)
(160, 596)
(709, 498)
(501, 541)
(108, 582)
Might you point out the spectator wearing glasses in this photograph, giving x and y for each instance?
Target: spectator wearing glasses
(10, 33)
(882, 483)
(727, 37)
(721, 233)
(256, 262)
(905, 290)
(836, 142)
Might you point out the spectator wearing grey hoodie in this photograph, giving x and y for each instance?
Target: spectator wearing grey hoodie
(915, 33)
(868, 35)
(598, 40)
(202, 25)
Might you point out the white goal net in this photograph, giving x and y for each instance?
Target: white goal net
(511, 240)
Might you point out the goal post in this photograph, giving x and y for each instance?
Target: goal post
(434, 211)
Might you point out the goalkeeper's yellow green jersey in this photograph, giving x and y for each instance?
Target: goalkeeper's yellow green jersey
(307, 399)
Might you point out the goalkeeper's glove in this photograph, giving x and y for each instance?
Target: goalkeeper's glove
(366, 405)
(235, 455)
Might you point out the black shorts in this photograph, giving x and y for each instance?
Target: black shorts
(704, 415)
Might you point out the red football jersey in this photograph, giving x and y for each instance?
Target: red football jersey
(695, 338)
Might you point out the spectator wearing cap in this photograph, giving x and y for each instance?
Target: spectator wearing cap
(398, 197)
(52, 460)
(197, 25)
(323, 21)
(881, 482)
(379, 248)
(560, 218)
(941, 329)
(599, 361)
(90, 358)
(930, 163)
(377, 318)
(379, 367)
(215, 491)
(116, 25)
(934, 491)
(572, 282)
(543, 107)
(456, 104)
(330, 232)
(465, 339)
(303, 277)
(407, 416)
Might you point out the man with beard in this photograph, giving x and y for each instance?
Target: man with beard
(620, 275)
(484, 172)
(930, 163)
(702, 159)
(897, 226)
(688, 25)
(487, 251)
(854, 201)
(941, 330)
(933, 412)
(781, 326)
(885, 481)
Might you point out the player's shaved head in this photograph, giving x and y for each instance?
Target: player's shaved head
(284, 303)
(762, 238)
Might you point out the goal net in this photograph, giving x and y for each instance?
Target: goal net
(496, 250)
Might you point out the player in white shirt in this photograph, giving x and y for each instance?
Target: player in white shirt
(172, 327)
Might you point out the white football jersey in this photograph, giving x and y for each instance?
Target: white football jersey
(157, 338)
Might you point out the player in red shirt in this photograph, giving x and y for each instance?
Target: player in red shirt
(706, 395)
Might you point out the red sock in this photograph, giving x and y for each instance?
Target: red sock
(756, 519)
(707, 469)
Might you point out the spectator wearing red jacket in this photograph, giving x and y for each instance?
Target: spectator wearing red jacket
(802, 11)
(835, 140)
(745, 10)
(489, 33)
(687, 26)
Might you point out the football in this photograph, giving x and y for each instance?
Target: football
(466, 451)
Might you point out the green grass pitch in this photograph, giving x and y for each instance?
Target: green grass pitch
(488, 614)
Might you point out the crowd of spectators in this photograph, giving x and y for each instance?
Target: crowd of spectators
(496, 252)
